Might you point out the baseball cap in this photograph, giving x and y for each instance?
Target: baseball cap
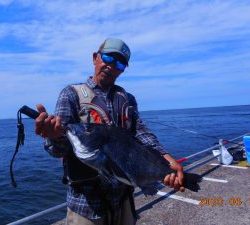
(112, 45)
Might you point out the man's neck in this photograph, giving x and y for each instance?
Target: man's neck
(104, 87)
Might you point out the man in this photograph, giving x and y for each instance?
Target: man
(90, 198)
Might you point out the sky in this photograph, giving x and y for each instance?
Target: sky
(184, 54)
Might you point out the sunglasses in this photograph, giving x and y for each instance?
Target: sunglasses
(112, 60)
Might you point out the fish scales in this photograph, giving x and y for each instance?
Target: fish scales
(140, 163)
(115, 152)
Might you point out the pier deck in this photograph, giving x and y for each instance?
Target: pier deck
(223, 199)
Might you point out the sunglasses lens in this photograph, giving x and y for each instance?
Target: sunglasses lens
(110, 59)
(107, 58)
(120, 66)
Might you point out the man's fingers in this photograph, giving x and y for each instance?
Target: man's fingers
(40, 108)
(166, 180)
(58, 124)
(180, 176)
(40, 122)
(41, 118)
(182, 189)
(48, 120)
(53, 121)
(180, 179)
(48, 125)
(176, 184)
(172, 180)
(169, 180)
(58, 127)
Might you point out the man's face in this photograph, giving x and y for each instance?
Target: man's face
(105, 73)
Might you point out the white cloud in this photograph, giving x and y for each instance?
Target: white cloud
(176, 41)
(5, 2)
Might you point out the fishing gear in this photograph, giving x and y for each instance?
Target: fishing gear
(20, 135)
(224, 153)
(195, 132)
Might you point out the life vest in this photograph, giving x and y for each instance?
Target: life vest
(93, 109)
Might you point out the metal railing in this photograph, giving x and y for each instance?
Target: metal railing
(63, 205)
(39, 214)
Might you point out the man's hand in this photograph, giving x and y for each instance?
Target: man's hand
(48, 126)
(174, 180)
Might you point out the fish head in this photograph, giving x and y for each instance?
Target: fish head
(90, 134)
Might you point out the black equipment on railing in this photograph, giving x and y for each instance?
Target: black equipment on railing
(21, 135)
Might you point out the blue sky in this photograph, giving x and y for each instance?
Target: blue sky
(185, 54)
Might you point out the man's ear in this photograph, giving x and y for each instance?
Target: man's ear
(94, 57)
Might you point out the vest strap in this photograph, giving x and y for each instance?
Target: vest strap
(86, 95)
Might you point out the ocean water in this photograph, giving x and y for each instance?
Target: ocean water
(38, 175)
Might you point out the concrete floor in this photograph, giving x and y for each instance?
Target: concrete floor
(225, 201)
(218, 203)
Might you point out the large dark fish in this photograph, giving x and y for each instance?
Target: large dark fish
(114, 152)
